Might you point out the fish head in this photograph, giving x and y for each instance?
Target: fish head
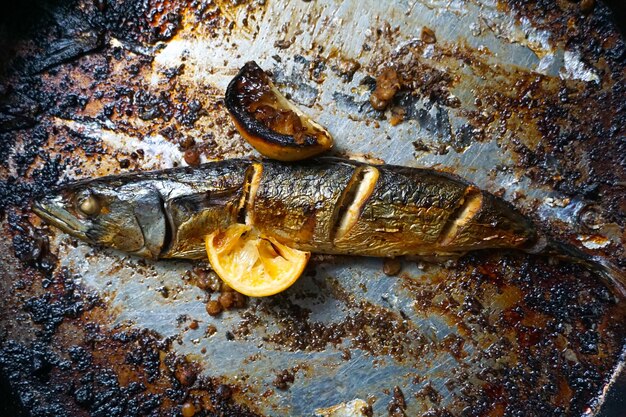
(111, 212)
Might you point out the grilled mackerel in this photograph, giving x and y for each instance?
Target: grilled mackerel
(326, 205)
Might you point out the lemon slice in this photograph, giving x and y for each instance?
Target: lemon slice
(252, 264)
(269, 122)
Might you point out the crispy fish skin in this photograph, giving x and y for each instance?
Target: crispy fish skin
(325, 205)
(296, 203)
(407, 213)
(211, 199)
(411, 210)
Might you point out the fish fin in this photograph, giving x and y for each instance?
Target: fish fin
(612, 273)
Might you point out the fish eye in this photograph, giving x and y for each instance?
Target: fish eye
(89, 205)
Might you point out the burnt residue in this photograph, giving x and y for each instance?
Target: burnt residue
(397, 405)
(52, 80)
(284, 379)
(49, 383)
(589, 31)
(17, 192)
(413, 75)
(553, 329)
(557, 124)
(368, 327)
(543, 322)
(55, 358)
(549, 123)
(563, 114)
(68, 365)
(142, 22)
(546, 121)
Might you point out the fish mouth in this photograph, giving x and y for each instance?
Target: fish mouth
(53, 214)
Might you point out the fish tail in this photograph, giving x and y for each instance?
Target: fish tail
(611, 274)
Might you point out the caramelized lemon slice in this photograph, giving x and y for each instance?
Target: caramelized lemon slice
(252, 264)
(269, 122)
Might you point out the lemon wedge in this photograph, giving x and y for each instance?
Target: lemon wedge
(252, 264)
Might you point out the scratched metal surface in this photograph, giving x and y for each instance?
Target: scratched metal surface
(475, 337)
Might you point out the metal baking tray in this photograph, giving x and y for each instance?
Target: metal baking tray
(525, 99)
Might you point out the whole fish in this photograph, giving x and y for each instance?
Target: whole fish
(326, 205)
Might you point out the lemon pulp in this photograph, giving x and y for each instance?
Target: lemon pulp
(253, 264)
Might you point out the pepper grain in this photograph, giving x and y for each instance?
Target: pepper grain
(188, 410)
(428, 35)
(192, 157)
(392, 266)
(214, 308)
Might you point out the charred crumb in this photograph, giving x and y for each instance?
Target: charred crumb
(124, 163)
(186, 373)
(17, 191)
(454, 344)
(428, 35)
(283, 43)
(420, 146)
(210, 330)
(532, 323)
(404, 72)
(284, 379)
(182, 319)
(392, 266)
(232, 299)
(367, 411)
(248, 321)
(224, 391)
(370, 328)
(397, 116)
(185, 142)
(346, 68)
(150, 22)
(388, 83)
(30, 245)
(188, 409)
(205, 279)
(62, 300)
(81, 357)
(429, 393)
(397, 404)
(214, 307)
(144, 352)
(192, 157)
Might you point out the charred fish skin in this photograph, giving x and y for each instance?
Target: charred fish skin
(405, 213)
(423, 212)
